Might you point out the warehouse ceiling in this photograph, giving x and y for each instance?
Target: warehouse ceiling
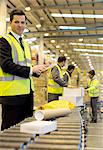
(73, 28)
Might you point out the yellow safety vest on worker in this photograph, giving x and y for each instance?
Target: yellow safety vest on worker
(93, 89)
(54, 87)
(69, 78)
(14, 85)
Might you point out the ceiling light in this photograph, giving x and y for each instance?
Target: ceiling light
(89, 60)
(57, 46)
(100, 38)
(52, 41)
(26, 30)
(71, 28)
(76, 15)
(27, 8)
(61, 50)
(85, 44)
(92, 55)
(38, 25)
(80, 40)
(46, 34)
(88, 50)
(68, 57)
(65, 54)
(73, 62)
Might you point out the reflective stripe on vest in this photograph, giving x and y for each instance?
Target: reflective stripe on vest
(14, 77)
(54, 87)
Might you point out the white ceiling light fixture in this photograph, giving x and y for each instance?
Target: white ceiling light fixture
(61, 50)
(76, 15)
(89, 60)
(27, 8)
(81, 40)
(85, 44)
(71, 28)
(26, 30)
(68, 57)
(88, 50)
(65, 54)
(52, 41)
(46, 34)
(100, 38)
(92, 55)
(73, 62)
(57, 46)
(88, 57)
(38, 25)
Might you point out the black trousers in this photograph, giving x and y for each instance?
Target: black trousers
(13, 114)
(94, 108)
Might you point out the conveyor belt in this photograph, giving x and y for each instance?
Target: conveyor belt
(51, 147)
(67, 136)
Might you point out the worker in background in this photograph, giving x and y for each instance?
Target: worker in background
(56, 81)
(93, 91)
(68, 73)
(16, 71)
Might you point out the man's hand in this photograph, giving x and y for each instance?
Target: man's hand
(40, 68)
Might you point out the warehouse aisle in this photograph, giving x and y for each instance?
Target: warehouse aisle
(95, 135)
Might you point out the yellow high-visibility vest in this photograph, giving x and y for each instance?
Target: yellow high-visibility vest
(54, 87)
(69, 78)
(14, 85)
(93, 89)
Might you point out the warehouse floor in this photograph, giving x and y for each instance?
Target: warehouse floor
(95, 135)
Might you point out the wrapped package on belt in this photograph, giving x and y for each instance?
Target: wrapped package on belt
(53, 109)
(50, 113)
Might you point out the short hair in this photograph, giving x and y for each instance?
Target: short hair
(70, 67)
(92, 72)
(16, 12)
(61, 59)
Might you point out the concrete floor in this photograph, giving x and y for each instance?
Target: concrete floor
(95, 135)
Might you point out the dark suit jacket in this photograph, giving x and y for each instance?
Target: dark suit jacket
(8, 66)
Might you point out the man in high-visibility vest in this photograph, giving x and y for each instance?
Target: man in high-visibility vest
(68, 73)
(16, 71)
(56, 81)
(93, 91)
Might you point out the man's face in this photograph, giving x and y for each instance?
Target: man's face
(18, 24)
(90, 76)
(63, 63)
